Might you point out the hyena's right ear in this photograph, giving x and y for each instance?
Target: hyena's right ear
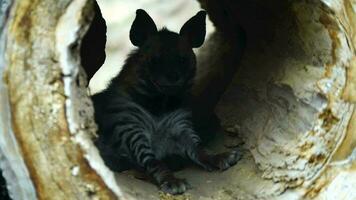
(142, 28)
(194, 30)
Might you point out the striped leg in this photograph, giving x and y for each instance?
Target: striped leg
(196, 153)
(182, 136)
(139, 147)
(133, 133)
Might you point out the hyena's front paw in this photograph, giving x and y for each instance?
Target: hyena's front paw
(226, 160)
(174, 185)
(220, 161)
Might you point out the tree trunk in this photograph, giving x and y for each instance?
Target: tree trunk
(291, 100)
(46, 116)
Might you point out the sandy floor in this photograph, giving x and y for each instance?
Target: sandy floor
(237, 182)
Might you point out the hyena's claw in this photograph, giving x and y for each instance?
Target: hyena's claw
(220, 161)
(228, 159)
(175, 186)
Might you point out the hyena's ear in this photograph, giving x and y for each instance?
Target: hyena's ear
(194, 30)
(142, 28)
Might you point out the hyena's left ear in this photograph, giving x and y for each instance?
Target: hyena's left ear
(194, 30)
(142, 28)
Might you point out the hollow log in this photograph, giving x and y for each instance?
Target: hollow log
(291, 97)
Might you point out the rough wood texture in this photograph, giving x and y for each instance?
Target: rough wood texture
(292, 99)
(41, 75)
(12, 164)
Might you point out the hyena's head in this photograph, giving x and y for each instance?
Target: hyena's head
(168, 62)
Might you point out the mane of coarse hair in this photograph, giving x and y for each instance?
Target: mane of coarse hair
(165, 33)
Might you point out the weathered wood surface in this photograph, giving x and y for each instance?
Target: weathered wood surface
(292, 99)
(50, 117)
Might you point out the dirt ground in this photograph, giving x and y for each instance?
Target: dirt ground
(227, 185)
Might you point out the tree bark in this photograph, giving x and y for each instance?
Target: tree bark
(46, 115)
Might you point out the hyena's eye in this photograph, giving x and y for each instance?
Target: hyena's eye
(181, 59)
(155, 64)
(154, 61)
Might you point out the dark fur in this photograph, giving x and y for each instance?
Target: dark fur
(144, 116)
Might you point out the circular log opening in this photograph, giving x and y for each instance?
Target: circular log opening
(290, 101)
(284, 103)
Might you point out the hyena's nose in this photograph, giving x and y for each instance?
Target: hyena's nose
(177, 79)
(171, 81)
(171, 86)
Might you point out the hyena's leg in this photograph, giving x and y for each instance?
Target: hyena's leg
(112, 157)
(143, 154)
(187, 143)
(134, 129)
(210, 162)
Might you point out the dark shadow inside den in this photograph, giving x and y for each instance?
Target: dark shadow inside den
(252, 42)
